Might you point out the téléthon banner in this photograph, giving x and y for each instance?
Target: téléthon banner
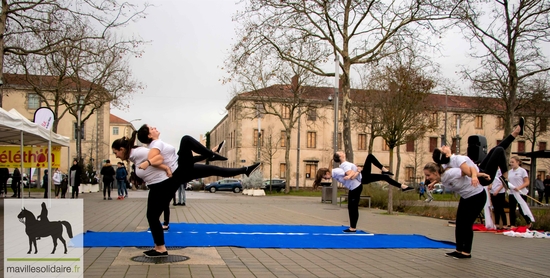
(33, 157)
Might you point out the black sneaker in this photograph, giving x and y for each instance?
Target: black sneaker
(252, 168)
(462, 256)
(452, 254)
(349, 231)
(217, 157)
(521, 125)
(155, 254)
(504, 182)
(150, 251)
(165, 227)
(387, 173)
(220, 146)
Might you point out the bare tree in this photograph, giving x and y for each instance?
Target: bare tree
(400, 92)
(510, 36)
(355, 32)
(537, 110)
(270, 146)
(21, 21)
(259, 76)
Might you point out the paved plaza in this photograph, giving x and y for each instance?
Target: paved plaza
(492, 255)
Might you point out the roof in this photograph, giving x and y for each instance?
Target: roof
(116, 120)
(46, 82)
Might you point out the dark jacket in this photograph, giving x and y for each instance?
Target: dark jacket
(77, 175)
(107, 172)
(16, 176)
(121, 173)
(4, 174)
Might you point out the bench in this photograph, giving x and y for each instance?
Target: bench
(364, 197)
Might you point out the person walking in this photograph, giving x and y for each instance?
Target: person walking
(121, 180)
(16, 183)
(108, 173)
(46, 184)
(57, 178)
(74, 179)
(421, 190)
(4, 176)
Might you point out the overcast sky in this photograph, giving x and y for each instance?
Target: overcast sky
(180, 68)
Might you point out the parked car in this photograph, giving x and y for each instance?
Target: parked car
(24, 180)
(440, 189)
(276, 185)
(195, 185)
(225, 185)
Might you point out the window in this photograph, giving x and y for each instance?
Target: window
(433, 144)
(456, 119)
(542, 146)
(453, 146)
(433, 118)
(362, 115)
(285, 110)
(385, 146)
(541, 175)
(283, 138)
(500, 122)
(362, 142)
(33, 101)
(311, 114)
(521, 146)
(479, 122)
(409, 173)
(410, 146)
(256, 135)
(260, 110)
(543, 124)
(311, 139)
(282, 170)
(311, 170)
(115, 130)
(340, 141)
(82, 129)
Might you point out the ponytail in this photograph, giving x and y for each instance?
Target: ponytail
(434, 168)
(126, 143)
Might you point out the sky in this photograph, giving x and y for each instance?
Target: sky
(181, 66)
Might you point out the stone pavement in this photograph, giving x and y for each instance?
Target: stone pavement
(493, 255)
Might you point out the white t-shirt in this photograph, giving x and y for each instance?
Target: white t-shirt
(515, 177)
(456, 160)
(497, 183)
(452, 178)
(339, 174)
(168, 152)
(151, 175)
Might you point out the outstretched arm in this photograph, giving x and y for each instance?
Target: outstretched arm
(471, 172)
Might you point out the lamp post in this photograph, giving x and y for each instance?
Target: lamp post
(130, 122)
(335, 135)
(79, 106)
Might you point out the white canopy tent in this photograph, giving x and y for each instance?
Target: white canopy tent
(15, 129)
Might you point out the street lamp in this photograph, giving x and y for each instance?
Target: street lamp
(335, 135)
(79, 106)
(130, 122)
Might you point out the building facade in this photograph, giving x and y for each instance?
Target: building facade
(311, 141)
(18, 95)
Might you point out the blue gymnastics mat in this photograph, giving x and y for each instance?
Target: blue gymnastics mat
(262, 236)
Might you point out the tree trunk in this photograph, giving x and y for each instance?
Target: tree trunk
(390, 191)
(3, 19)
(287, 161)
(346, 110)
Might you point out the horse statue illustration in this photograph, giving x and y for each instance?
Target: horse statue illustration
(37, 229)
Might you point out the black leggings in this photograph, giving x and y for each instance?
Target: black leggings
(161, 194)
(354, 197)
(107, 187)
(367, 177)
(466, 214)
(498, 208)
(495, 159)
(512, 202)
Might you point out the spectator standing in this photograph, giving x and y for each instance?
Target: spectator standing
(121, 179)
(16, 183)
(4, 176)
(181, 196)
(46, 183)
(64, 185)
(518, 180)
(57, 178)
(108, 173)
(539, 186)
(546, 183)
(421, 191)
(74, 178)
